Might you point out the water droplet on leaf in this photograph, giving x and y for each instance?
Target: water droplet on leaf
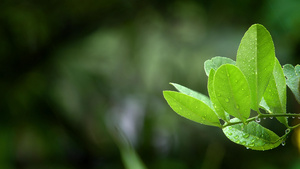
(287, 131)
(283, 143)
(237, 107)
(246, 135)
(257, 119)
(227, 100)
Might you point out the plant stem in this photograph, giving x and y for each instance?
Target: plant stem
(280, 115)
(260, 115)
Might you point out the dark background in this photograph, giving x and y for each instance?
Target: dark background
(81, 81)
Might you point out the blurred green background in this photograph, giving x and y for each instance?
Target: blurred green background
(81, 82)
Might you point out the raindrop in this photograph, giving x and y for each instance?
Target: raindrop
(257, 119)
(203, 118)
(293, 117)
(237, 107)
(264, 118)
(230, 134)
(252, 144)
(283, 143)
(236, 137)
(287, 131)
(218, 95)
(247, 148)
(227, 100)
(271, 118)
(227, 74)
(246, 135)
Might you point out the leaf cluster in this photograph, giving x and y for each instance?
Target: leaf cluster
(255, 81)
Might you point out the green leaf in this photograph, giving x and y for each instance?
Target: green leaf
(252, 135)
(216, 62)
(292, 75)
(255, 58)
(232, 91)
(216, 104)
(275, 94)
(191, 108)
(192, 93)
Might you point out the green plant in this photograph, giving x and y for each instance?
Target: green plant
(254, 81)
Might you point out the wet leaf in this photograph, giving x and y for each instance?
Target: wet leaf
(191, 108)
(232, 91)
(275, 94)
(216, 104)
(252, 135)
(192, 93)
(216, 62)
(292, 75)
(255, 58)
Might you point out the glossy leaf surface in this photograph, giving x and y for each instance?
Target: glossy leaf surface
(252, 135)
(232, 91)
(255, 58)
(191, 108)
(275, 94)
(192, 93)
(215, 102)
(292, 75)
(216, 62)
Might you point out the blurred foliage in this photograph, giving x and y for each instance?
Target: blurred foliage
(71, 69)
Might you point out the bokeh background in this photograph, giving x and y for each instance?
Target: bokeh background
(81, 82)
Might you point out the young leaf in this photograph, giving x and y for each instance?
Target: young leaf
(252, 135)
(216, 62)
(191, 108)
(232, 91)
(275, 94)
(192, 93)
(216, 104)
(292, 75)
(255, 58)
